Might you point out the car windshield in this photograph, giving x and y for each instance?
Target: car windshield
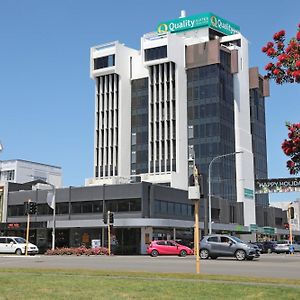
(238, 240)
(20, 240)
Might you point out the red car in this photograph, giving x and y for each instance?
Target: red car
(168, 248)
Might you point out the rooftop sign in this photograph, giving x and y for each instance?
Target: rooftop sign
(197, 21)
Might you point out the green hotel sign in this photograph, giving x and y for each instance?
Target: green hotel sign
(197, 21)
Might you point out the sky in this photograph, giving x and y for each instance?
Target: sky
(47, 96)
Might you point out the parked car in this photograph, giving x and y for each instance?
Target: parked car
(17, 245)
(217, 245)
(168, 248)
(282, 247)
(296, 246)
(257, 245)
(268, 246)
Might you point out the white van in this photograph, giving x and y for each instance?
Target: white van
(17, 245)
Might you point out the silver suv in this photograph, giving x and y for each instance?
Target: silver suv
(217, 245)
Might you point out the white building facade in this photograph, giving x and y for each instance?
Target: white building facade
(186, 90)
(21, 171)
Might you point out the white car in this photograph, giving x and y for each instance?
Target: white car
(17, 245)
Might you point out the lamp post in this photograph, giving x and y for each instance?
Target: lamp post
(51, 202)
(209, 186)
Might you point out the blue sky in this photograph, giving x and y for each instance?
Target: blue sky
(47, 97)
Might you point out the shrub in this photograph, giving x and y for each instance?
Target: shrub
(77, 251)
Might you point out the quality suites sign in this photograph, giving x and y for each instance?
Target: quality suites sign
(197, 21)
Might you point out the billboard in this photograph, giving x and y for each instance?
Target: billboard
(279, 185)
(198, 21)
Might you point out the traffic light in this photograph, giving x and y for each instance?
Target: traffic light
(26, 208)
(291, 212)
(32, 208)
(105, 217)
(111, 218)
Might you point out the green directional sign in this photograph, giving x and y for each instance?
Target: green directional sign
(248, 193)
(269, 230)
(253, 228)
(198, 21)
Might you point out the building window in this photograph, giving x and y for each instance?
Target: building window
(104, 62)
(155, 53)
(232, 214)
(8, 175)
(62, 208)
(190, 131)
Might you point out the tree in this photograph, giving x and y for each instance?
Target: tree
(286, 70)
(287, 67)
(291, 147)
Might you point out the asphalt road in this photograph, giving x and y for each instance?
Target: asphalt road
(269, 265)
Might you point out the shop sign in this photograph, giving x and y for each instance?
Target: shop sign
(280, 185)
(13, 225)
(253, 228)
(197, 21)
(269, 230)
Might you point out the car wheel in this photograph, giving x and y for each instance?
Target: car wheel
(182, 253)
(19, 252)
(240, 255)
(204, 254)
(154, 253)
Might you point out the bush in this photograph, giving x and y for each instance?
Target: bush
(77, 251)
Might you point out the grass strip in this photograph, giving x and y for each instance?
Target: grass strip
(85, 284)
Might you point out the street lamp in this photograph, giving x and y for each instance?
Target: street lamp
(1, 147)
(209, 186)
(51, 202)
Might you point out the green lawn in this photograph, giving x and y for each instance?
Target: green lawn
(85, 284)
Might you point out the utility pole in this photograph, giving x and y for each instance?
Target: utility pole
(210, 186)
(108, 232)
(291, 216)
(196, 233)
(28, 226)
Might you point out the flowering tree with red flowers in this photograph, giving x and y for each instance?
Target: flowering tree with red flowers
(287, 67)
(291, 147)
(286, 70)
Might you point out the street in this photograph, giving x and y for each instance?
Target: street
(269, 265)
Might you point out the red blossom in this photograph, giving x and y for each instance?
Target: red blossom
(271, 51)
(269, 66)
(291, 148)
(287, 54)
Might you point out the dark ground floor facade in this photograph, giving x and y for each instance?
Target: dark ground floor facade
(124, 240)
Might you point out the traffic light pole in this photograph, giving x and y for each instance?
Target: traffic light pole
(108, 231)
(196, 233)
(28, 227)
(103, 211)
(196, 243)
(290, 226)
